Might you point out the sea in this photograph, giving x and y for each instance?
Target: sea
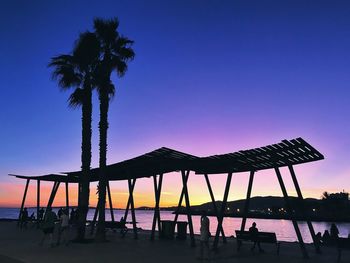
(283, 228)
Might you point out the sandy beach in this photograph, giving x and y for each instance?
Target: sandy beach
(23, 246)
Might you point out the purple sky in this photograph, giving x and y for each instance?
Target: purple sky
(208, 77)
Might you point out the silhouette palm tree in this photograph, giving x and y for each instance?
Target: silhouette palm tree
(76, 70)
(115, 52)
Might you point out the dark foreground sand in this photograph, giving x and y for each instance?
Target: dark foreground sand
(22, 246)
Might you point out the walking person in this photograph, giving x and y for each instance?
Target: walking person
(64, 228)
(48, 226)
(204, 252)
(24, 219)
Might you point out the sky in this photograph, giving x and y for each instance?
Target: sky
(208, 77)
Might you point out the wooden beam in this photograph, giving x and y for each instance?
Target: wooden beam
(67, 196)
(214, 205)
(110, 201)
(53, 194)
(247, 200)
(23, 201)
(222, 211)
(290, 212)
(181, 198)
(95, 218)
(133, 182)
(37, 201)
(132, 209)
(156, 216)
(307, 218)
(188, 208)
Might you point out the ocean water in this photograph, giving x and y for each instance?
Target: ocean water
(283, 228)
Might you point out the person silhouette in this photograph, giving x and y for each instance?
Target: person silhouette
(204, 237)
(24, 218)
(254, 237)
(326, 238)
(334, 232)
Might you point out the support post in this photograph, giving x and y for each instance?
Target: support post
(188, 208)
(133, 182)
(156, 216)
(53, 194)
(23, 201)
(67, 197)
(214, 205)
(181, 198)
(290, 212)
(132, 209)
(110, 201)
(247, 200)
(222, 211)
(37, 201)
(307, 218)
(93, 223)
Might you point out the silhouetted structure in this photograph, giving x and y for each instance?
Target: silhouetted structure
(159, 162)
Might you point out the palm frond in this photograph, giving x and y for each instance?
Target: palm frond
(76, 98)
(86, 50)
(65, 71)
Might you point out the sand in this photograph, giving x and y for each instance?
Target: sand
(23, 246)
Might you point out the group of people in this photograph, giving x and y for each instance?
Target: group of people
(24, 218)
(48, 226)
(329, 237)
(49, 221)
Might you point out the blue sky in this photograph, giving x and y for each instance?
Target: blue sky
(208, 77)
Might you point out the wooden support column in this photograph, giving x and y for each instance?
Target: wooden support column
(23, 201)
(214, 205)
(247, 200)
(156, 217)
(133, 182)
(53, 194)
(181, 197)
(290, 212)
(37, 201)
(188, 207)
(222, 211)
(132, 209)
(110, 201)
(93, 223)
(67, 197)
(306, 216)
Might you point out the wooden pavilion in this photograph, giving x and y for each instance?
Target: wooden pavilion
(164, 160)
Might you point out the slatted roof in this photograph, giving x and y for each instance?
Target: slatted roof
(165, 160)
(162, 160)
(287, 152)
(47, 177)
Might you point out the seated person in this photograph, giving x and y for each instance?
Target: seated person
(326, 238)
(254, 237)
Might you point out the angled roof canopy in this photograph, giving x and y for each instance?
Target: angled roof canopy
(162, 160)
(48, 177)
(287, 152)
(165, 160)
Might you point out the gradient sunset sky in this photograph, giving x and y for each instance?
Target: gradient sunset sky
(209, 77)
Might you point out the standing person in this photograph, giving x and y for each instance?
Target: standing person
(41, 214)
(24, 218)
(204, 238)
(48, 225)
(334, 233)
(254, 237)
(64, 227)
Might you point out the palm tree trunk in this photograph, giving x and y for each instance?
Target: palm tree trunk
(103, 127)
(84, 184)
